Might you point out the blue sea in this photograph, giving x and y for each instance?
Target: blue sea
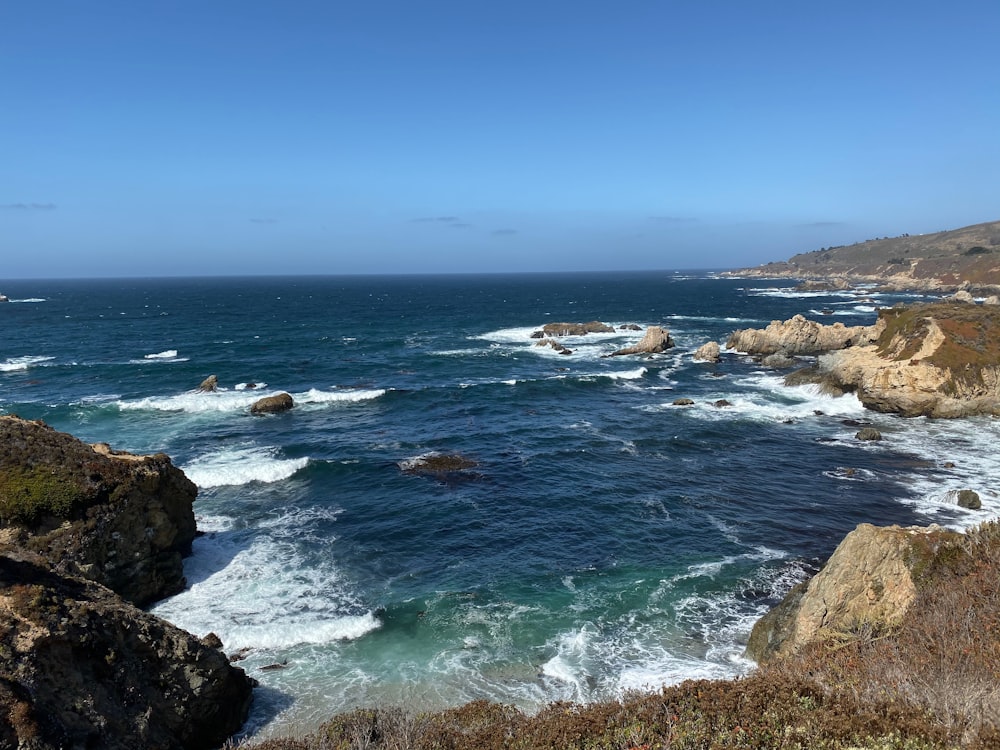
(606, 540)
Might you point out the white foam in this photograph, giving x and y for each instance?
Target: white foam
(28, 300)
(13, 364)
(238, 466)
(167, 354)
(223, 400)
(255, 589)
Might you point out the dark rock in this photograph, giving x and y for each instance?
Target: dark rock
(949, 464)
(965, 499)
(80, 668)
(683, 402)
(722, 403)
(629, 327)
(868, 433)
(272, 404)
(209, 384)
(555, 345)
(212, 641)
(440, 465)
(814, 376)
(109, 516)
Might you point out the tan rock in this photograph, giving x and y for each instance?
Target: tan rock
(799, 336)
(869, 579)
(272, 404)
(209, 384)
(654, 341)
(708, 352)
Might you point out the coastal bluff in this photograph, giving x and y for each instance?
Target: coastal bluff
(938, 359)
(87, 535)
(869, 581)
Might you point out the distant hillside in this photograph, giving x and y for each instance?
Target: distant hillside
(967, 257)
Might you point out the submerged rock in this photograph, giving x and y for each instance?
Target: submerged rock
(439, 465)
(868, 433)
(557, 346)
(683, 402)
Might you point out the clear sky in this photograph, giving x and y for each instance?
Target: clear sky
(246, 137)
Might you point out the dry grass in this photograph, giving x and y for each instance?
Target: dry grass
(931, 683)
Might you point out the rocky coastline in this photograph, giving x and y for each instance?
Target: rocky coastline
(87, 536)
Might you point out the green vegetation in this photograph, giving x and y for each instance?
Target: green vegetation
(28, 494)
(930, 682)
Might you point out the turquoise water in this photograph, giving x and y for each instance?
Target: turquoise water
(606, 539)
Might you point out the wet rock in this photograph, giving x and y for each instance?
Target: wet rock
(209, 384)
(654, 341)
(965, 499)
(557, 346)
(707, 352)
(868, 433)
(683, 402)
(573, 329)
(721, 403)
(272, 404)
(779, 361)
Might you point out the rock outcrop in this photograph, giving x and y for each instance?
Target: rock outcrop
(937, 360)
(654, 341)
(121, 520)
(707, 352)
(870, 580)
(80, 668)
(572, 329)
(557, 346)
(272, 404)
(799, 336)
(209, 384)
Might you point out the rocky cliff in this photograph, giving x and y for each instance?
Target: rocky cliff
(82, 529)
(869, 582)
(112, 517)
(937, 360)
(80, 668)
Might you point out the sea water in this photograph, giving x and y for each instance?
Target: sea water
(605, 540)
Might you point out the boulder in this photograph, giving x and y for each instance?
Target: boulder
(992, 300)
(707, 352)
(870, 580)
(965, 499)
(683, 402)
(837, 283)
(825, 383)
(868, 433)
(209, 384)
(80, 668)
(961, 296)
(4, 298)
(654, 341)
(629, 327)
(799, 336)
(119, 519)
(722, 403)
(573, 329)
(272, 404)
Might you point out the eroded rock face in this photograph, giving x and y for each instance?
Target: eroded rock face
(209, 384)
(870, 578)
(799, 336)
(654, 341)
(108, 516)
(80, 668)
(937, 360)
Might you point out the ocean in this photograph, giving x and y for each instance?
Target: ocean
(605, 540)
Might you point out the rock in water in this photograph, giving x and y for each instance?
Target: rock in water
(799, 336)
(708, 352)
(209, 384)
(109, 516)
(80, 668)
(272, 404)
(965, 499)
(869, 580)
(654, 341)
(868, 433)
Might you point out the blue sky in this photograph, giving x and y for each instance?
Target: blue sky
(206, 138)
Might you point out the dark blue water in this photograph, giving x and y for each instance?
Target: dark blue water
(605, 539)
